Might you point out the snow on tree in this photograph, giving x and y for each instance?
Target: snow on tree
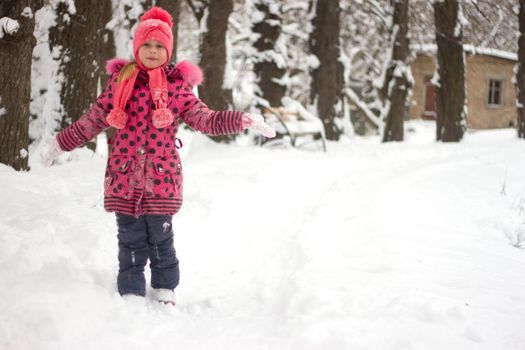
(288, 53)
(396, 92)
(377, 73)
(270, 63)
(17, 23)
(490, 24)
(125, 15)
(8, 26)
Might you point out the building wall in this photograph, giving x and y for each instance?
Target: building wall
(479, 70)
(422, 67)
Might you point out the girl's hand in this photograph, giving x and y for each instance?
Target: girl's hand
(51, 153)
(256, 123)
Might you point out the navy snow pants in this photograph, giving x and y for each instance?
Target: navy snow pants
(148, 236)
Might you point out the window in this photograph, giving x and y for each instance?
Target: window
(494, 97)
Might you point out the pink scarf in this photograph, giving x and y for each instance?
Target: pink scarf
(158, 86)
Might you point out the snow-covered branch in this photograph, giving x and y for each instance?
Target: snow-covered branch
(363, 107)
(495, 29)
(8, 26)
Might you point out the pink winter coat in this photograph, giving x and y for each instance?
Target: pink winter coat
(144, 171)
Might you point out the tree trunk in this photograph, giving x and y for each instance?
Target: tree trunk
(108, 50)
(107, 41)
(520, 73)
(79, 36)
(266, 69)
(326, 88)
(16, 50)
(399, 80)
(213, 59)
(173, 7)
(213, 56)
(450, 92)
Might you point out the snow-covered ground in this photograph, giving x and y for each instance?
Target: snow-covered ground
(413, 245)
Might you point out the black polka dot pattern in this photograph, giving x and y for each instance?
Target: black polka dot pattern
(151, 151)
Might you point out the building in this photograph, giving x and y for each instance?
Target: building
(490, 33)
(491, 100)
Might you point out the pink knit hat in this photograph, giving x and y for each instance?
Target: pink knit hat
(155, 24)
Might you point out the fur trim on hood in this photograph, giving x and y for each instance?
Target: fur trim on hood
(184, 70)
(115, 65)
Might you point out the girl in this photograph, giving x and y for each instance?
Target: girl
(144, 101)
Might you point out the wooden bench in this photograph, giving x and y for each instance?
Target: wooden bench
(293, 121)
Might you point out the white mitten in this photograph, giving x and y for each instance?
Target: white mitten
(51, 153)
(256, 123)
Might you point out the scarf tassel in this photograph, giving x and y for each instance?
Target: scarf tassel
(117, 118)
(162, 118)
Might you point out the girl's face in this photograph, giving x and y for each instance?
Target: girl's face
(152, 54)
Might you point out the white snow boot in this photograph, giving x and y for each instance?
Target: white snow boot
(165, 296)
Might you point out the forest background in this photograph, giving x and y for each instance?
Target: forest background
(347, 61)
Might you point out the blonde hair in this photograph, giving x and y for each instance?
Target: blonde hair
(127, 71)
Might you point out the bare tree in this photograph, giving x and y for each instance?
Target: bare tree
(327, 78)
(520, 72)
(17, 22)
(266, 68)
(450, 92)
(399, 79)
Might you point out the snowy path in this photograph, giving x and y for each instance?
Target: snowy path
(401, 246)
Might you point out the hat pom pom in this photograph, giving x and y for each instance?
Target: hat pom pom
(117, 118)
(157, 13)
(162, 118)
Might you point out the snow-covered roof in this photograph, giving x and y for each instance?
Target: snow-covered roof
(485, 51)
